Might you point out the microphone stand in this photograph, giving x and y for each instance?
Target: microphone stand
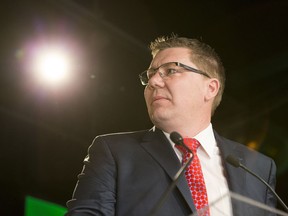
(236, 163)
(267, 185)
(170, 188)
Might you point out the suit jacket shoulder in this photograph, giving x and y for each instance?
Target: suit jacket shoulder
(126, 174)
(242, 182)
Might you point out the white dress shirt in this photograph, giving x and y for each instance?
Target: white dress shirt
(213, 171)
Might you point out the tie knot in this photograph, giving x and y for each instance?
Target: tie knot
(192, 144)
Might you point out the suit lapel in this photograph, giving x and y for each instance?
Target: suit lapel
(236, 177)
(157, 145)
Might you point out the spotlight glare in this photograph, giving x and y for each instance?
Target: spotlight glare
(52, 65)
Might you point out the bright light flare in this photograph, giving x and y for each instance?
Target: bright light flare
(52, 65)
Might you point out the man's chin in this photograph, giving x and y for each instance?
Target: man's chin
(159, 120)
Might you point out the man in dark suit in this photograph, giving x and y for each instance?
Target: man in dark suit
(126, 173)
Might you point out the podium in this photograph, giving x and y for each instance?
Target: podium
(241, 206)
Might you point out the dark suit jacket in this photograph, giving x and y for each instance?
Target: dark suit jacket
(126, 173)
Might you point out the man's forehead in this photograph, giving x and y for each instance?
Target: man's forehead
(175, 54)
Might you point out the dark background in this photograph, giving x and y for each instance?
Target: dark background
(45, 131)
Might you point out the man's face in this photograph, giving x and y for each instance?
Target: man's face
(178, 98)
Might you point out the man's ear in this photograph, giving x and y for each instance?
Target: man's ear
(213, 87)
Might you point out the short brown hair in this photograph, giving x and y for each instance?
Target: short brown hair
(202, 55)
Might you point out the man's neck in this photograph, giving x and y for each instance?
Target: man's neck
(185, 130)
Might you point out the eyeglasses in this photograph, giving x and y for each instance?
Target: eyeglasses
(168, 69)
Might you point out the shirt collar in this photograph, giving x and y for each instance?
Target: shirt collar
(206, 139)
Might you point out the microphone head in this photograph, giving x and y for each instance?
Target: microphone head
(233, 161)
(176, 138)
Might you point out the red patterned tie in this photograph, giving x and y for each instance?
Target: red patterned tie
(195, 177)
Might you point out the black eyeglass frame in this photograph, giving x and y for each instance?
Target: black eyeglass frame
(144, 78)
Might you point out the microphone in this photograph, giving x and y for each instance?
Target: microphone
(178, 140)
(236, 163)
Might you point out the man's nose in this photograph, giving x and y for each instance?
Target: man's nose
(156, 80)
